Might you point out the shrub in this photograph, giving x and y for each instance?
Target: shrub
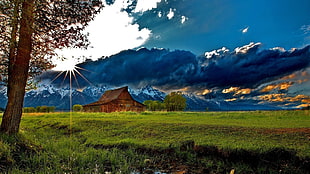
(29, 109)
(154, 105)
(45, 109)
(77, 108)
(51, 108)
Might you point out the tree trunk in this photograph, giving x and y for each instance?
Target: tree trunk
(13, 39)
(18, 73)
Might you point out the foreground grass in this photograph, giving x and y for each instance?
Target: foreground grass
(125, 142)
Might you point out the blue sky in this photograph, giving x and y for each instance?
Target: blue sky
(212, 24)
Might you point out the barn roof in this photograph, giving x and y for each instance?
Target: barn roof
(109, 96)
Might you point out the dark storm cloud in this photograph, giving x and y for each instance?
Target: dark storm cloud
(244, 67)
(252, 67)
(144, 67)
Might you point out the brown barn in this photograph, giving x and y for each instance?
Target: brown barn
(115, 101)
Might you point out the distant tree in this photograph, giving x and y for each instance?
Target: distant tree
(152, 105)
(38, 109)
(51, 108)
(77, 108)
(29, 109)
(30, 32)
(148, 103)
(175, 102)
(46, 109)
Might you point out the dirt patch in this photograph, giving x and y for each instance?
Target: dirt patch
(192, 158)
(34, 114)
(288, 131)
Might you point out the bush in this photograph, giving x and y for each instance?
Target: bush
(29, 110)
(154, 105)
(77, 108)
(45, 109)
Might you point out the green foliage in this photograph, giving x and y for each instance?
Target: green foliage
(175, 102)
(77, 108)
(154, 105)
(45, 109)
(5, 150)
(29, 110)
(51, 109)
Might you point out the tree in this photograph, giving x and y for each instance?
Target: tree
(77, 108)
(29, 110)
(33, 30)
(45, 109)
(175, 102)
(154, 105)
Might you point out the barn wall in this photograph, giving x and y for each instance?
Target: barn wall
(92, 109)
(122, 106)
(117, 106)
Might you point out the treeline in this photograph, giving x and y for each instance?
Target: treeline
(172, 102)
(47, 109)
(39, 109)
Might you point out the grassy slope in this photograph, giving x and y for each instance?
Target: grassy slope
(69, 138)
(247, 130)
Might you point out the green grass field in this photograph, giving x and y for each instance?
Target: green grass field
(127, 142)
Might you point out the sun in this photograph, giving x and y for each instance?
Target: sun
(65, 65)
(70, 70)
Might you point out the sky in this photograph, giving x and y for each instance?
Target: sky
(198, 26)
(253, 50)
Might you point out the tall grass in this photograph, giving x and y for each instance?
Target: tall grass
(102, 142)
(259, 130)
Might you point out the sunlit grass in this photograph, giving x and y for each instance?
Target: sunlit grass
(248, 130)
(83, 142)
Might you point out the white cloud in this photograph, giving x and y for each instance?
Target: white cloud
(217, 52)
(112, 31)
(183, 19)
(170, 14)
(245, 30)
(160, 14)
(278, 48)
(244, 49)
(145, 5)
(305, 29)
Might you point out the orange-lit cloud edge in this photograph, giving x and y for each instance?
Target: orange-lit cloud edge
(274, 92)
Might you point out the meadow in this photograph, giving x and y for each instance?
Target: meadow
(162, 142)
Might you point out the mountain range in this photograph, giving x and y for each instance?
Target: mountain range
(49, 95)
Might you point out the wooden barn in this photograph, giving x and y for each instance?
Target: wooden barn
(116, 100)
